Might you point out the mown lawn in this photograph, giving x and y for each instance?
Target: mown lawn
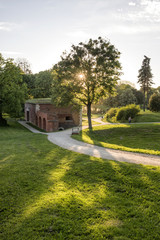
(148, 116)
(85, 122)
(143, 138)
(51, 193)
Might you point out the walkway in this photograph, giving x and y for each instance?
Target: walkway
(64, 140)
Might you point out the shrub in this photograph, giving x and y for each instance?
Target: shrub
(111, 113)
(154, 102)
(124, 113)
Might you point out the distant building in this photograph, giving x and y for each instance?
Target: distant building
(42, 113)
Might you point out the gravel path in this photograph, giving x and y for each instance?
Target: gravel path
(64, 140)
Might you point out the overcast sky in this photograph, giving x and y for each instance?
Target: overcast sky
(40, 30)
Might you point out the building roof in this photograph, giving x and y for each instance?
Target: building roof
(39, 101)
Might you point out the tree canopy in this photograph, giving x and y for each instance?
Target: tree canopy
(145, 78)
(86, 74)
(154, 102)
(43, 84)
(12, 89)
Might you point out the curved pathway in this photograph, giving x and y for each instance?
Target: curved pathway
(64, 140)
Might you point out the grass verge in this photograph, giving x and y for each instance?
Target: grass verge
(52, 193)
(142, 138)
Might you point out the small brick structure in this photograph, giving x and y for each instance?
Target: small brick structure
(43, 114)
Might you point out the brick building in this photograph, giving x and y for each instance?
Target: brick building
(42, 113)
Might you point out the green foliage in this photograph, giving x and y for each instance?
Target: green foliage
(54, 194)
(124, 94)
(29, 80)
(154, 102)
(43, 84)
(111, 114)
(12, 88)
(126, 97)
(86, 74)
(147, 116)
(124, 113)
(125, 137)
(145, 79)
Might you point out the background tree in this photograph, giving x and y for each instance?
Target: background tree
(28, 77)
(24, 65)
(154, 102)
(29, 80)
(43, 84)
(124, 95)
(86, 74)
(12, 89)
(145, 79)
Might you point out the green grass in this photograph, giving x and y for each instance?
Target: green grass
(96, 115)
(40, 101)
(143, 138)
(52, 193)
(85, 122)
(36, 127)
(148, 116)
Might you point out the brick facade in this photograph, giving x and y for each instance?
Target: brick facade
(50, 118)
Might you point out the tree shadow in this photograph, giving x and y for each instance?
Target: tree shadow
(128, 137)
(52, 193)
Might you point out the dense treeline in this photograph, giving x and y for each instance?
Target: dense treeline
(18, 83)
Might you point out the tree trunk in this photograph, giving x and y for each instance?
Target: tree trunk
(144, 101)
(89, 116)
(147, 97)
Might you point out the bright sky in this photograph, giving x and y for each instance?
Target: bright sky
(40, 30)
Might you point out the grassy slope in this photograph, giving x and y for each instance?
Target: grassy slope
(148, 116)
(50, 193)
(143, 138)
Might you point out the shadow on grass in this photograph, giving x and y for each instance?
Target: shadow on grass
(52, 193)
(127, 137)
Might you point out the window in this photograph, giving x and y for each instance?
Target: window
(68, 118)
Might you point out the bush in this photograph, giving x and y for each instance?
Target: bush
(154, 102)
(124, 113)
(111, 113)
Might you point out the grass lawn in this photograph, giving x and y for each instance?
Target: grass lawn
(148, 116)
(85, 122)
(143, 138)
(96, 115)
(52, 193)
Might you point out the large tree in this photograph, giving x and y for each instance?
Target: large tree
(43, 84)
(86, 74)
(12, 89)
(28, 77)
(145, 79)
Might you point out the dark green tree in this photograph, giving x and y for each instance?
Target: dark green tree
(43, 84)
(86, 74)
(124, 95)
(29, 80)
(154, 102)
(145, 79)
(12, 89)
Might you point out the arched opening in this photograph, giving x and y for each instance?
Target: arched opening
(27, 116)
(40, 122)
(44, 123)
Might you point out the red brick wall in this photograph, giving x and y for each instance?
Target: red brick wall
(50, 118)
